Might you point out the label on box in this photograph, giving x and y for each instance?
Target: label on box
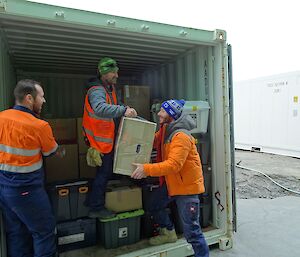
(70, 239)
(123, 232)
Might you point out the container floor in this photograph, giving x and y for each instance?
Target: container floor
(99, 250)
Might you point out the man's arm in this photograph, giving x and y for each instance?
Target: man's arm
(180, 147)
(48, 143)
(97, 100)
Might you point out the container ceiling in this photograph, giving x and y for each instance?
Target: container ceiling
(39, 45)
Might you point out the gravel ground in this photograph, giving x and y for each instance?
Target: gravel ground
(282, 169)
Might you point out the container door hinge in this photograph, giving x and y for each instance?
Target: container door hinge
(225, 243)
(219, 35)
(3, 4)
(59, 14)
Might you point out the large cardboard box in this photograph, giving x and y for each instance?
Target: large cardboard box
(64, 130)
(134, 144)
(138, 97)
(65, 168)
(82, 146)
(121, 198)
(85, 171)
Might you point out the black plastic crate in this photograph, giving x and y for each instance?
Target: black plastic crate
(147, 195)
(149, 227)
(76, 234)
(203, 146)
(68, 200)
(205, 210)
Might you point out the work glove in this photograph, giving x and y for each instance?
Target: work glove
(93, 157)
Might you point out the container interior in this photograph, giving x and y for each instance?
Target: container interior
(62, 55)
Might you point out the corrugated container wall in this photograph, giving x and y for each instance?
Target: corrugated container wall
(64, 93)
(175, 79)
(185, 76)
(7, 76)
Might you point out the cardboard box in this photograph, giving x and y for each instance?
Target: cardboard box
(134, 144)
(82, 146)
(61, 169)
(121, 198)
(138, 97)
(64, 130)
(85, 171)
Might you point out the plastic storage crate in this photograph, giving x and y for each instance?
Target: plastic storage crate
(68, 199)
(76, 234)
(203, 147)
(124, 229)
(199, 111)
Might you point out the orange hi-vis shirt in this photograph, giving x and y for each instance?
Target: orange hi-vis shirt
(24, 139)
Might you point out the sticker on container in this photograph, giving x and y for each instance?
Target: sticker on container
(295, 113)
(71, 239)
(194, 108)
(123, 232)
(127, 94)
(295, 99)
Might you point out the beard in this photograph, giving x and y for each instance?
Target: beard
(37, 109)
(165, 120)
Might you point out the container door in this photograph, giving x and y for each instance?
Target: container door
(232, 136)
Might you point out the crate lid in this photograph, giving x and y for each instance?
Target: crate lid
(125, 215)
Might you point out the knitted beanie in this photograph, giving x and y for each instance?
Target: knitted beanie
(173, 107)
(107, 65)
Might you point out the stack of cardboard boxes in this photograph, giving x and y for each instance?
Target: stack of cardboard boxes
(73, 166)
(66, 168)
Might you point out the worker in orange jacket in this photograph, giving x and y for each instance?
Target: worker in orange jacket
(181, 168)
(100, 118)
(24, 140)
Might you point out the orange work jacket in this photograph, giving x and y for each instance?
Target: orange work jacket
(180, 165)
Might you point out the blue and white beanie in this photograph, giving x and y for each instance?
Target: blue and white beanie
(173, 107)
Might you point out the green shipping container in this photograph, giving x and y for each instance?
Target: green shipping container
(61, 48)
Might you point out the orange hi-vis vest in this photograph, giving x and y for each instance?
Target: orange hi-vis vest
(99, 131)
(23, 140)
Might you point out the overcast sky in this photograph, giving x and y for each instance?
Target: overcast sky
(264, 34)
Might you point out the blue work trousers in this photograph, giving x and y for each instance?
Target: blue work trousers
(104, 173)
(29, 221)
(189, 213)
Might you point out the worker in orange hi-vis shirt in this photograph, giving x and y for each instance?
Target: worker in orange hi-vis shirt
(24, 140)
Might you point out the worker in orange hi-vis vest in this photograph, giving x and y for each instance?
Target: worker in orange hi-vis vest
(24, 140)
(100, 118)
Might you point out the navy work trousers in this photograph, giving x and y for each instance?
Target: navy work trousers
(104, 173)
(189, 214)
(29, 221)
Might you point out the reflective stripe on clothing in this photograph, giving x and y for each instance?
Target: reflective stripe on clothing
(99, 139)
(21, 169)
(53, 150)
(19, 151)
(94, 116)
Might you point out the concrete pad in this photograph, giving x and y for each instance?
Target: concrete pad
(266, 228)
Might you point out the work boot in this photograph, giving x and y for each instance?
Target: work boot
(165, 236)
(102, 214)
